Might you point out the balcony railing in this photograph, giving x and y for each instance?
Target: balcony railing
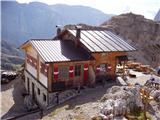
(63, 85)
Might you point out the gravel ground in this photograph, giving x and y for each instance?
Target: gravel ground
(84, 106)
(140, 78)
(11, 98)
(12, 103)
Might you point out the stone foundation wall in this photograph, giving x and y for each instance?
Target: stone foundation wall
(59, 97)
(53, 98)
(43, 91)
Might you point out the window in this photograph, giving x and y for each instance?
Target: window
(32, 61)
(63, 72)
(44, 97)
(38, 90)
(77, 71)
(103, 67)
(44, 68)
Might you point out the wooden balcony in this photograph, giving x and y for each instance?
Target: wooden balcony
(64, 85)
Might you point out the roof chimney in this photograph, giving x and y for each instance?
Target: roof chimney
(78, 34)
(58, 30)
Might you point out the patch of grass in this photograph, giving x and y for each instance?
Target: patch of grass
(56, 111)
(97, 118)
(77, 117)
(139, 116)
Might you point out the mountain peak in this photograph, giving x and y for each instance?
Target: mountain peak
(157, 17)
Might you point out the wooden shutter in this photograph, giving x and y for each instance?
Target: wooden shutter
(55, 73)
(71, 71)
(109, 67)
(98, 69)
(85, 73)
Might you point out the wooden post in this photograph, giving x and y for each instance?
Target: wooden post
(50, 69)
(38, 67)
(25, 64)
(145, 106)
(123, 69)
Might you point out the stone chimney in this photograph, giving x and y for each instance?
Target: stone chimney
(58, 30)
(78, 35)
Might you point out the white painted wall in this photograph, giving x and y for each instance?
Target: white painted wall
(32, 70)
(43, 79)
(39, 98)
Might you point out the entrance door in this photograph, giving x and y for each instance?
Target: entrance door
(85, 77)
(33, 91)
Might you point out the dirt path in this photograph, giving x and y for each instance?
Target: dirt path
(11, 98)
(72, 109)
(84, 106)
(12, 103)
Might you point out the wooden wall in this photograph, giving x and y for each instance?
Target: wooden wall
(108, 58)
(36, 72)
(100, 58)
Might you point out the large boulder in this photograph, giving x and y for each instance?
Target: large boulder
(120, 100)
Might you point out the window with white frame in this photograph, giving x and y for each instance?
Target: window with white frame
(77, 71)
(63, 72)
(103, 67)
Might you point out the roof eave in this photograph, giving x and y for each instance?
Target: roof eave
(70, 61)
(112, 51)
(23, 45)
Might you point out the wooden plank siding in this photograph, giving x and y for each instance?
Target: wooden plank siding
(100, 58)
(75, 80)
(38, 67)
(29, 50)
(50, 77)
(107, 58)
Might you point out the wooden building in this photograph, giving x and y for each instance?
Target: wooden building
(76, 57)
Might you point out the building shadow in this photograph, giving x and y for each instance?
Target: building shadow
(87, 95)
(18, 107)
(7, 86)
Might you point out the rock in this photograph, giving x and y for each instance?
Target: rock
(121, 100)
(143, 33)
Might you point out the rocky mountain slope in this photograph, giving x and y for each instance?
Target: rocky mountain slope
(143, 33)
(11, 57)
(157, 17)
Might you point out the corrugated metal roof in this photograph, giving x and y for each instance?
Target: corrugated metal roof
(59, 50)
(102, 41)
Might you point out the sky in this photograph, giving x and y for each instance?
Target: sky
(148, 8)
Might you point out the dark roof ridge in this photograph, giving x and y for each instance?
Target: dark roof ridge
(98, 29)
(39, 39)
